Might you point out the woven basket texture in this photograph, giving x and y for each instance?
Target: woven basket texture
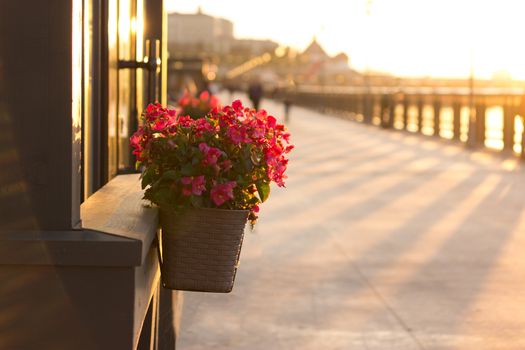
(201, 248)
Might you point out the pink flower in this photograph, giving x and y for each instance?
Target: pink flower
(276, 171)
(226, 165)
(211, 154)
(204, 148)
(198, 185)
(221, 193)
(186, 180)
(237, 134)
(193, 185)
(222, 143)
(258, 130)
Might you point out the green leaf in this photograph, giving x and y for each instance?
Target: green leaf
(147, 177)
(162, 195)
(196, 201)
(246, 160)
(170, 175)
(254, 200)
(263, 188)
(187, 170)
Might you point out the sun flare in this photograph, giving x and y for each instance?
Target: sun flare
(404, 37)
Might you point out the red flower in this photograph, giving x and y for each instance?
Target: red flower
(185, 121)
(272, 121)
(160, 125)
(136, 138)
(136, 141)
(237, 105)
(222, 192)
(185, 99)
(202, 125)
(205, 95)
(214, 102)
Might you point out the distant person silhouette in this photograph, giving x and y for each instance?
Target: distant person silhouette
(287, 101)
(255, 92)
(286, 95)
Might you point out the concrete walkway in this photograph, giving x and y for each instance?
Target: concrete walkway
(382, 240)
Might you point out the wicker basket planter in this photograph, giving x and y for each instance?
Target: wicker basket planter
(200, 248)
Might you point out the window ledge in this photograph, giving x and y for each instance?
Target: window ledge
(117, 230)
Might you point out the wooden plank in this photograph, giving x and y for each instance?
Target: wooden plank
(118, 230)
(68, 248)
(118, 209)
(456, 106)
(147, 282)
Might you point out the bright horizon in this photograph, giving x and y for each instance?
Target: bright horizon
(435, 38)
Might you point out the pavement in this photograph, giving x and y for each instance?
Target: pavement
(381, 240)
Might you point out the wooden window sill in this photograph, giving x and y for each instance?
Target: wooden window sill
(117, 230)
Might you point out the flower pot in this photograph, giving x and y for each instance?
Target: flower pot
(200, 248)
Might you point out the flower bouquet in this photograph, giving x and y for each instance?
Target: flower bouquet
(208, 176)
(197, 107)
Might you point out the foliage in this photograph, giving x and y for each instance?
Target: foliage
(227, 159)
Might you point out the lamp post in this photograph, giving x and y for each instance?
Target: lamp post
(368, 104)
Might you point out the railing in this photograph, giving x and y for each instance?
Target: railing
(491, 117)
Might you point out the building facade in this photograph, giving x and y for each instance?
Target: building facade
(196, 33)
(77, 248)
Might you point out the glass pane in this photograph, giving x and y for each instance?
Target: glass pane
(124, 83)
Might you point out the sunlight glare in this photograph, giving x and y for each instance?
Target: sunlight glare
(403, 37)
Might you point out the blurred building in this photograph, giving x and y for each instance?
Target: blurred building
(314, 53)
(79, 270)
(199, 33)
(315, 66)
(253, 47)
(203, 48)
(197, 36)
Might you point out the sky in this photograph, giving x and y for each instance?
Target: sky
(438, 38)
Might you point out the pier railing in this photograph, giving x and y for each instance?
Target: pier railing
(488, 117)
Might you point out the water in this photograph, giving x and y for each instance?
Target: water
(493, 119)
